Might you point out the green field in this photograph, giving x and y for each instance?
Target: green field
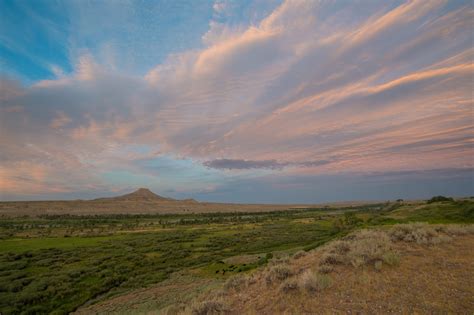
(54, 264)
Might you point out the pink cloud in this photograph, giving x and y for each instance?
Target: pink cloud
(388, 90)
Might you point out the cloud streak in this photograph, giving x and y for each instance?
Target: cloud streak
(235, 164)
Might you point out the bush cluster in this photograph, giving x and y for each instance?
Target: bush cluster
(359, 249)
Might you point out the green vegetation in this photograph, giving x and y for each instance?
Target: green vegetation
(439, 199)
(54, 264)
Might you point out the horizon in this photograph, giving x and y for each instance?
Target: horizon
(284, 102)
(342, 201)
(137, 190)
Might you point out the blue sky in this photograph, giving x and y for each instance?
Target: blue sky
(42, 37)
(242, 101)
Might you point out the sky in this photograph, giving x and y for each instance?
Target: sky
(236, 101)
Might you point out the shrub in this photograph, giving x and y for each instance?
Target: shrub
(289, 285)
(439, 199)
(368, 247)
(350, 219)
(324, 268)
(341, 247)
(335, 253)
(174, 309)
(278, 260)
(378, 265)
(251, 279)
(331, 259)
(362, 248)
(456, 229)
(391, 258)
(209, 307)
(313, 282)
(420, 233)
(440, 239)
(278, 272)
(235, 283)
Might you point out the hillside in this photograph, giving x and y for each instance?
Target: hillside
(417, 269)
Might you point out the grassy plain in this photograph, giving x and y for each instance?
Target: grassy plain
(56, 263)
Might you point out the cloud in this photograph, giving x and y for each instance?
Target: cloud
(236, 164)
(311, 88)
(243, 164)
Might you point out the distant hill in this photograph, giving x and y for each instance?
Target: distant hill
(142, 194)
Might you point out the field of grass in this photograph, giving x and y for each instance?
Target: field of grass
(54, 264)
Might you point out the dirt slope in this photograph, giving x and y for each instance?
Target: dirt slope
(429, 280)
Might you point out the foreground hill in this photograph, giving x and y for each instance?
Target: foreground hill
(408, 269)
(366, 274)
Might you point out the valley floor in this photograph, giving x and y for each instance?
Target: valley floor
(373, 259)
